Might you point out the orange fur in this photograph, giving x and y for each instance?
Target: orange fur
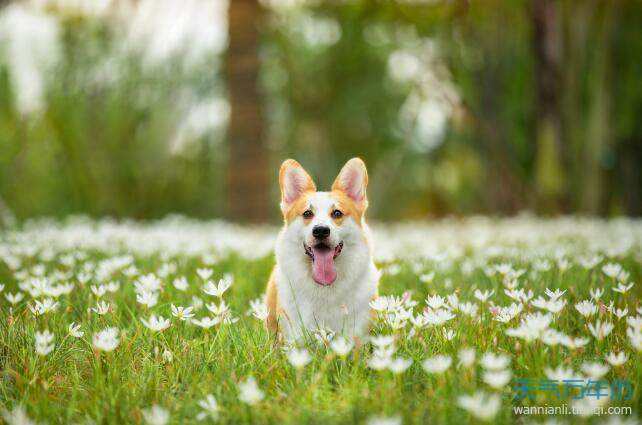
(347, 206)
(297, 208)
(272, 303)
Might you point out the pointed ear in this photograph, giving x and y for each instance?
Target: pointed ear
(353, 180)
(294, 182)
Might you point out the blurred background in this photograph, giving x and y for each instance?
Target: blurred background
(141, 108)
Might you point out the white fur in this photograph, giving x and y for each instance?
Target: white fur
(342, 307)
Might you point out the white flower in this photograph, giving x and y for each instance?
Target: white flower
(612, 270)
(74, 330)
(551, 337)
(554, 305)
(207, 322)
(379, 304)
(622, 288)
(156, 415)
(180, 283)
(616, 359)
(379, 362)
(519, 295)
(595, 370)
(481, 405)
(221, 309)
(483, 296)
(531, 327)
(148, 283)
(204, 273)
(249, 392)
(258, 309)
(384, 420)
(14, 298)
(299, 358)
(210, 408)
(497, 379)
(554, 295)
(589, 262)
(112, 287)
(44, 342)
(620, 313)
(449, 334)
(106, 340)
(399, 365)
(469, 309)
(156, 323)
(382, 340)
(596, 293)
(466, 357)
(560, 374)
(437, 364)
(147, 298)
(573, 343)
(506, 314)
(600, 330)
(341, 346)
(101, 308)
(435, 302)
(586, 308)
(398, 319)
(438, 317)
(491, 361)
(504, 268)
(219, 289)
(635, 337)
(45, 306)
(182, 313)
(427, 277)
(453, 301)
(99, 290)
(634, 321)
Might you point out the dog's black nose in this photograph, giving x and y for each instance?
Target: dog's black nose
(320, 232)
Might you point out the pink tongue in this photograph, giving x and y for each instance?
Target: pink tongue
(323, 269)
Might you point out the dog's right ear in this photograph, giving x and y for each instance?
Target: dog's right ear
(294, 182)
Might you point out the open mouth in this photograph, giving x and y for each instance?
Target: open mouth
(323, 255)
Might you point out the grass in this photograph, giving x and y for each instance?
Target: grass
(76, 383)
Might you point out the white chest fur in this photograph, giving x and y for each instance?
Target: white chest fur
(342, 307)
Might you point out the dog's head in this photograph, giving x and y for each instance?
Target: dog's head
(325, 224)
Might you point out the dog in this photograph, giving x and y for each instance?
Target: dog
(325, 276)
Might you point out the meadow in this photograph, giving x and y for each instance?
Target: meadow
(161, 322)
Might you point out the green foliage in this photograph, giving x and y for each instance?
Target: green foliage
(103, 143)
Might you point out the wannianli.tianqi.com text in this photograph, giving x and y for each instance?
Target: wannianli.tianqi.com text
(565, 409)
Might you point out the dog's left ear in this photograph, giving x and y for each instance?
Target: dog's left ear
(353, 180)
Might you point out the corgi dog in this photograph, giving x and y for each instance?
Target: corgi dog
(325, 276)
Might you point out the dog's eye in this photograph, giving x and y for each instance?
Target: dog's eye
(308, 214)
(337, 214)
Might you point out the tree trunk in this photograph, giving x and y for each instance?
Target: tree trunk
(550, 159)
(247, 174)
